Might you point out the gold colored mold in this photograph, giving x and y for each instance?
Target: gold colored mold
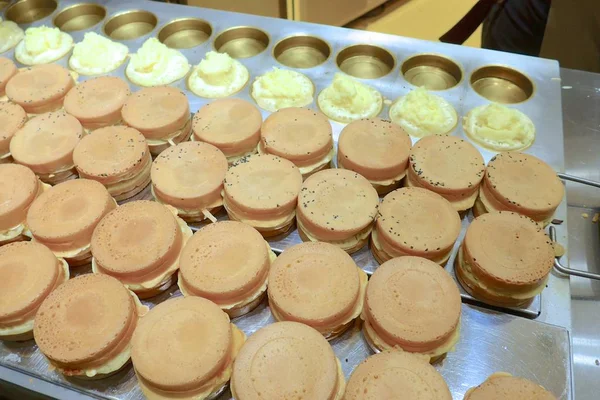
(301, 51)
(431, 71)
(242, 42)
(79, 17)
(28, 11)
(185, 33)
(365, 61)
(130, 24)
(502, 84)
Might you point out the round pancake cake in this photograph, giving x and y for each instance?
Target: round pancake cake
(64, 217)
(97, 102)
(84, 327)
(521, 183)
(300, 135)
(29, 271)
(262, 191)
(376, 149)
(413, 304)
(46, 144)
(505, 259)
(500, 386)
(41, 88)
(189, 177)
(396, 375)
(285, 360)
(416, 222)
(184, 349)
(20, 187)
(228, 263)
(448, 166)
(317, 284)
(139, 243)
(8, 69)
(231, 125)
(12, 118)
(161, 114)
(337, 206)
(116, 156)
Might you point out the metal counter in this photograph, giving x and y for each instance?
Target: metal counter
(581, 116)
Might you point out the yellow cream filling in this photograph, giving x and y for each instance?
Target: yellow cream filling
(467, 271)
(27, 326)
(10, 35)
(155, 64)
(341, 382)
(280, 88)
(421, 113)
(43, 45)
(96, 54)
(348, 99)
(499, 127)
(12, 233)
(218, 75)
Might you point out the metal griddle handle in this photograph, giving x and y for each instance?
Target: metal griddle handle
(557, 265)
(569, 271)
(573, 178)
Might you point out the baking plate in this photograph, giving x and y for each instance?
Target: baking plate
(492, 339)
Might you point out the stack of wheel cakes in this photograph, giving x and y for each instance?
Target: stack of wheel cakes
(70, 151)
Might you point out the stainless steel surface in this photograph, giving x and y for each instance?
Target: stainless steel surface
(581, 102)
(519, 346)
(571, 271)
(527, 348)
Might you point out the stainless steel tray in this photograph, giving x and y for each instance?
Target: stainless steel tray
(491, 340)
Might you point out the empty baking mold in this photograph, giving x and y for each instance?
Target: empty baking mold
(130, 24)
(242, 42)
(27, 11)
(502, 84)
(301, 51)
(431, 71)
(365, 61)
(185, 33)
(79, 17)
